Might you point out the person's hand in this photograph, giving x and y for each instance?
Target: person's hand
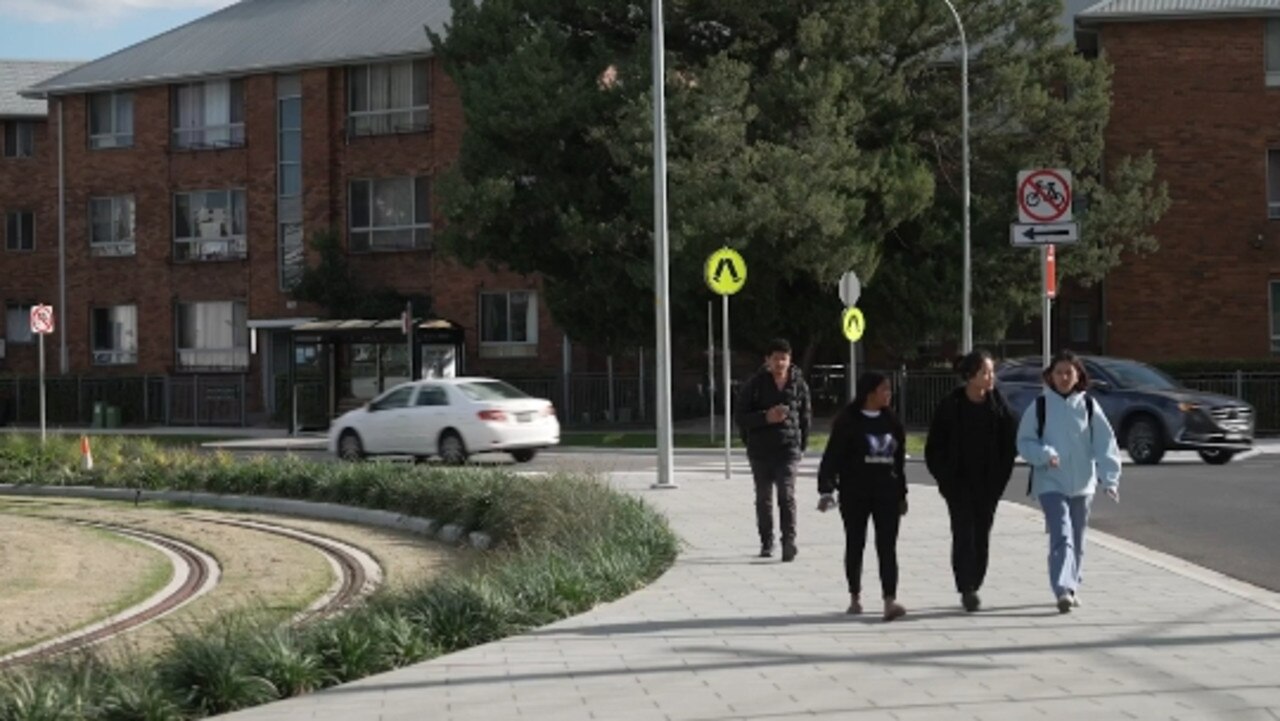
(1054, 462)
(826, 502)
(902, 506)
(776, 414)
(1113, 493)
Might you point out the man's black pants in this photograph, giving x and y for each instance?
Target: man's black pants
(775, 475)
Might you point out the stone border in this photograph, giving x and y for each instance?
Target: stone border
(449, 533)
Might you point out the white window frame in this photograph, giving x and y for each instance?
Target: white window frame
(1273, 184)
(116, 137)
(1270, 48)
(377, 116)
(212, 355)
(30, 227)
(214, 235)
(124, 345)
(499, 348)
(224, 130)
(17, 323)
(12, 142)
(364, 238)
(116, 244)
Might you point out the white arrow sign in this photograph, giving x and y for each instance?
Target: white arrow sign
(1026, 235)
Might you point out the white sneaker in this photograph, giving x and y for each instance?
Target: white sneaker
(1075, 599)
(1064, 603)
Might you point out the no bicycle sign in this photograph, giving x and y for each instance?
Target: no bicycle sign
(1044, 196)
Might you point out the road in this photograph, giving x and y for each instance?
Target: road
(1220, 517)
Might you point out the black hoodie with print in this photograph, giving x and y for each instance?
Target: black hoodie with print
(865, 456)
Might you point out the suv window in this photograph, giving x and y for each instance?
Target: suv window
(1019, 374)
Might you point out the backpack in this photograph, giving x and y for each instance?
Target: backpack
(1088, 409)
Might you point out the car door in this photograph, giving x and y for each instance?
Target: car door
(384, 424)
(430, 415)
(1104, 388)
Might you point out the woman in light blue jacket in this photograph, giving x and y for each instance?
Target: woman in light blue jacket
(1070, 456)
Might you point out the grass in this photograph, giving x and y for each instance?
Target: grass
(646, 439)
(564, 543)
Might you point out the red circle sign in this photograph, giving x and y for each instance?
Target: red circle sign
(1044, 196)
(42, 319)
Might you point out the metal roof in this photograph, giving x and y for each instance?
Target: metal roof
(15, 75)
(1169, 9)
(263, 35)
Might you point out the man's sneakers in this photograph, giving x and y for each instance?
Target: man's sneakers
(1065, 603)
(970, 601)
(766, 550)
(789, 551)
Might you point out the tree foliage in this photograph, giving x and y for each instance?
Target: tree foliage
(815, 136)
(332, 284)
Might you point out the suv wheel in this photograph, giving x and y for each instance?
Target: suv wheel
(1217, 456)
(1144, 441)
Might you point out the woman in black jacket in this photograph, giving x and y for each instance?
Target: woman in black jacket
(970, 452)
(864, 460)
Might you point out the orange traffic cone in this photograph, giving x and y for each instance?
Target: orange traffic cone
(86, 454)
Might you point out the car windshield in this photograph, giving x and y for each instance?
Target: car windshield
(1132, 374)
(491, 391)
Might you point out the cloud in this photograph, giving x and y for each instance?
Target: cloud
(96, 12)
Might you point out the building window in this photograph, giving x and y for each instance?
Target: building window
(1079, 320)
(1273, 184)
(389, 98)
(115, 335)
(1275, 316)
(1273, 51)
(509, 324)
(390, 214)
(17, 323)
(20, 230)
(19, 139)
(213, 336)
(291, 250)
(111, 120)
(209, 114)
(209, 225)
(111, 226)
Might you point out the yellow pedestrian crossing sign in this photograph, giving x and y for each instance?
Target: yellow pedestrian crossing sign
(853, 324)
(726, 271)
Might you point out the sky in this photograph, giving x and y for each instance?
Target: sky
(89, 29)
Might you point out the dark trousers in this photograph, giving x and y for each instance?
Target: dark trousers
(971, 521)
(775, 475)
(884, 512)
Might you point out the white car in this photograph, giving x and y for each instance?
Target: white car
(452, 418)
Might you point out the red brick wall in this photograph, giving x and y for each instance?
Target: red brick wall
(152, 173)
(1194, 94)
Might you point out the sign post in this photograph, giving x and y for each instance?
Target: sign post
(711, 371)
(850, 290)
(726, 273)
(1044, 197)
(42, 325)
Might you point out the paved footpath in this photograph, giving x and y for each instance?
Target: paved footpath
(724, 635)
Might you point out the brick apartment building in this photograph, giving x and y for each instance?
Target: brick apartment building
(1197, 83)
(197, 165)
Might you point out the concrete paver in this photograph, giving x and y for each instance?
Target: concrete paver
(724, 635)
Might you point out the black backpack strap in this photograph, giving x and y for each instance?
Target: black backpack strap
(1039, 434)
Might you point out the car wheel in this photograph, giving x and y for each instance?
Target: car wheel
(524, 455)
(452, 450)
(349, 446)
(1144, 442)
(1217, 456)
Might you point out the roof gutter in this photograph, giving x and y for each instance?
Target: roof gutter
(1155, 17)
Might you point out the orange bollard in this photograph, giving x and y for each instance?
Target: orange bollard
(86, 454)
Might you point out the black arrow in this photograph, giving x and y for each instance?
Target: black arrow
(722, 265)
(1034, 232)
(852, 324)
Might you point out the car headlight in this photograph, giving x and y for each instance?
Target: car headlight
(1188, 407)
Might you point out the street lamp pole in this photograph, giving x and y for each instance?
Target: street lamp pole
(662, 293)
(966, 323)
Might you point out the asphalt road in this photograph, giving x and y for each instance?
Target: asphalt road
(1226, 518)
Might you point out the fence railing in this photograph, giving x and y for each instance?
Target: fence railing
(185, 400)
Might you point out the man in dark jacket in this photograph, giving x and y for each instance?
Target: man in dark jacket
(970, 453)
(774, 415)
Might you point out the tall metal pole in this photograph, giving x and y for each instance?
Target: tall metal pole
(728, 384)
(711, 368)
(966, 323)
(1046, 328)
(660, 264)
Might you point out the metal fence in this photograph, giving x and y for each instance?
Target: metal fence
(186, 400)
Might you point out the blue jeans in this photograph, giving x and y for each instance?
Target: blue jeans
(1065, 518)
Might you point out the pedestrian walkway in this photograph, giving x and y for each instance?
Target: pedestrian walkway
(724, 635)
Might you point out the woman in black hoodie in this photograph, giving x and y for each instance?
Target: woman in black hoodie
(864, 461)
(970, 452)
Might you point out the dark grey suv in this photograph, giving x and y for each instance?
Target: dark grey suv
(1149, 410)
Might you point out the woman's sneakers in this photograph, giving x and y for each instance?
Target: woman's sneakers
(855, 606)
(893, 609)
(1065, 602)
(970, 601)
